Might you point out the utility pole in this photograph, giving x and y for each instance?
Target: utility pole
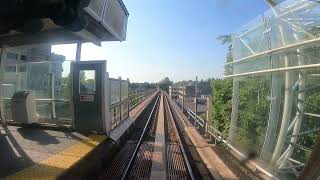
(183, 93)
(196, 99)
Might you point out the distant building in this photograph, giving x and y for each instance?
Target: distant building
(187, 91)
(173, 92)
(24, 54)
(33, 75)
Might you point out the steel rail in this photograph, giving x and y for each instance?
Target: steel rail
(179, 139)
(126, 172)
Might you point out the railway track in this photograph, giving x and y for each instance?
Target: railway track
(154, 149)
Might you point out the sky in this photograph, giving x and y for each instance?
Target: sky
(174, 38)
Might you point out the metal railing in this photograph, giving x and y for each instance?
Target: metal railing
(119, 112)
(137, 98)
(214, 134)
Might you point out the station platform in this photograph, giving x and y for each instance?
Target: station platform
(58, 152)
(42, 153)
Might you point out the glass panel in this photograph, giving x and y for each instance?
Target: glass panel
(124, 110)
(62, 90)
(12, 56)
(39, 80)
(124, 90)
(87, 82)
(114, 91)
(49, 82)
(303, 101)
(291, 22)
(253, 113)
(63, 110)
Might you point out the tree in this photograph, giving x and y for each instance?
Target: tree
(226, 40)
(165, 83)
(222, 93)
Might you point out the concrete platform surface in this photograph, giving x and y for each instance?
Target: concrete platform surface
(37, 153)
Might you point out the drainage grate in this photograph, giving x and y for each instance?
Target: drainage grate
(119, 163)
(141, 168)
(176, 168)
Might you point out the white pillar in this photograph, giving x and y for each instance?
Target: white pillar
(3, 56)
(234, 114)
(52, 91)
(209, 114)
(78, 52)
(287, 107)
(274, 113)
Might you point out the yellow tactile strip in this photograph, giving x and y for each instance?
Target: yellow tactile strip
(54, 166)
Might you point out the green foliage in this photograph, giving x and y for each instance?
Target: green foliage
(225, 39)
(221, 104)
(253, 112)
(222, 93)
(165, 83)
(203, 116)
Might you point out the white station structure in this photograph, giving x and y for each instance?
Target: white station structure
(38, 86)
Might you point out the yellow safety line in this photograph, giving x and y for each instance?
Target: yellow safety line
(54, 166)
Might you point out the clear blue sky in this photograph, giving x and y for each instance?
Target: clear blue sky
(171, 38)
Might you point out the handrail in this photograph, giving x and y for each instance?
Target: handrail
(198, 119)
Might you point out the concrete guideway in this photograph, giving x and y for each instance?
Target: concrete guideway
(122, 128)
(158, 170)
(153, 150)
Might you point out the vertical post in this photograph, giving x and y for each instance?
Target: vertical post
(52, 91)
(3, 54)
(300, 106)
(78, 52)
(287, 106)
(109, 114)
(196, 97)
(196, 102)
(18, 82)
(183, 94)
(234, 114)
(274, 113)
(120, 104)
(209, 111)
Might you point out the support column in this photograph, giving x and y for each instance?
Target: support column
(209, 115)
(287, 107)
(3, 57)
(196, 97)
(299, 114)
(78, 52)
(52, 92)
(274, 114)
(234, 114)
(183, 94)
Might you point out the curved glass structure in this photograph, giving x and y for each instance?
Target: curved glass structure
(276, 87)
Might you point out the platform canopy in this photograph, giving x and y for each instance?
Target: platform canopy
(107, 21)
